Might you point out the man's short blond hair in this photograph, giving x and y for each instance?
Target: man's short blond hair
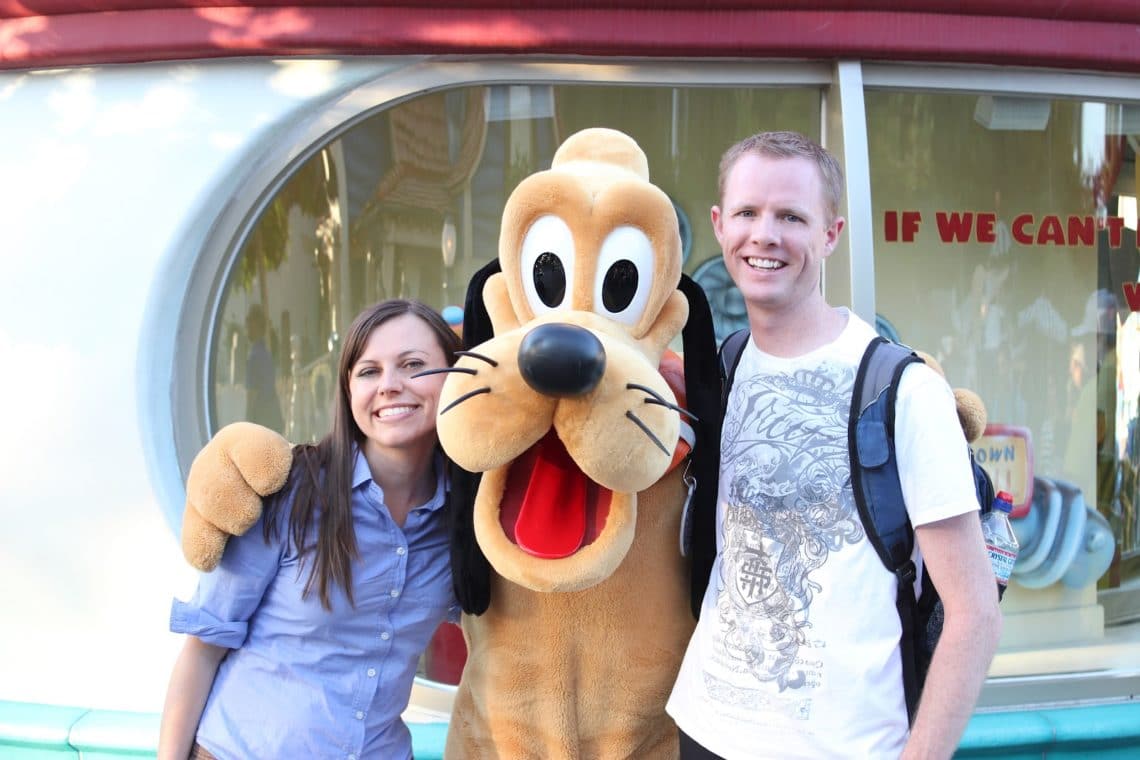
(788, 145)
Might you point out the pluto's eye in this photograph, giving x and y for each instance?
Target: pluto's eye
(547, 264)
(549, 278)
(619, 286)
(625, 275)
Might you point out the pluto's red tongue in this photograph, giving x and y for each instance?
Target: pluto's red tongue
(552, 520)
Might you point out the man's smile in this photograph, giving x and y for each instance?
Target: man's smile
(758, 263)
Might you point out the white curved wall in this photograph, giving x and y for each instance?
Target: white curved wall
(107, 173)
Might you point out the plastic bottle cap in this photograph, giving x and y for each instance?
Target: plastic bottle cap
(1003, 500)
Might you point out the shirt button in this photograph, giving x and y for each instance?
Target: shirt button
(395, 592)
(401, 551)
(359, 715)
(385, 635)
(372, 671)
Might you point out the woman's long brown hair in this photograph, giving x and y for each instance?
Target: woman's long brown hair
(320, 479)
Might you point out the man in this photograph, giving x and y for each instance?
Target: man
(796, 651)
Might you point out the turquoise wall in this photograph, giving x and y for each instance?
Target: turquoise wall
(47, 732)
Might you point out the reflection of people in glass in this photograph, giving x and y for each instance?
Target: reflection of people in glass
(1093, 402)
(305, 640)
(1130, 484)
(261, 403)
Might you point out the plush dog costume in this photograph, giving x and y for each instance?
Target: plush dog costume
(569, 557)
(567, 550)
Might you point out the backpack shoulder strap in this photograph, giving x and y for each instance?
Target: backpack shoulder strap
(728, 358)
(878, 492)
(871, 446)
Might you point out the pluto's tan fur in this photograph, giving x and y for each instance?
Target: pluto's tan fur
(575, 657)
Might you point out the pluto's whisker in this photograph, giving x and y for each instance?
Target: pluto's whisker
(644, 389)
(441, 370)
(463, 398)
(474, 355)
(674, 407)
(647, 431)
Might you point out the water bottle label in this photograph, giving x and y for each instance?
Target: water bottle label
(1002, 561)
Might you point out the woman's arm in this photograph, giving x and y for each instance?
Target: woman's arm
(186, 695)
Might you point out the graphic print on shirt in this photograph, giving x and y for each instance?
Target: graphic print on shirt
(788, 507)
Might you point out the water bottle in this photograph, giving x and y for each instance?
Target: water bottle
(1000, 540)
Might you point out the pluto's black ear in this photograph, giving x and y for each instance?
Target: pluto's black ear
(702, 394)
(476, 322)
(470, 570)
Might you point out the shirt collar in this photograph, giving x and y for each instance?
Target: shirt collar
(362, 475)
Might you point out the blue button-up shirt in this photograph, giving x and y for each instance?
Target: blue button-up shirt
(303, 681)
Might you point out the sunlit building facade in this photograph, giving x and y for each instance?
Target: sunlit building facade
(211, 193)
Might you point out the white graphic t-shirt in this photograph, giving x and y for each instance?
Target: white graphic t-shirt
(796, 651)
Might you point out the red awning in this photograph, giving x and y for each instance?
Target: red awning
(1093, 34)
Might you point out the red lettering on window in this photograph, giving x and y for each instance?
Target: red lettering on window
(985, 228)
(955, 226)
(910, 222)
(1082, 230)
(1115, 226)
(1051, 231)
(1018, 231)
(1132, 295)
(981, 226)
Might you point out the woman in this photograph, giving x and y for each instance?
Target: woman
(304, 641)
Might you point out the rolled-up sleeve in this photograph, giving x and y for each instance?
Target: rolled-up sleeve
(454, 613)
(933, 457)
(227, 597)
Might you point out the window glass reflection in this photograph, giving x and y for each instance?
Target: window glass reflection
(1000, 249)
(408, 203)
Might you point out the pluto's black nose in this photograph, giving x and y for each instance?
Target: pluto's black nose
(561, 360)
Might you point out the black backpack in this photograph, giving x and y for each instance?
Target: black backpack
(878, 494)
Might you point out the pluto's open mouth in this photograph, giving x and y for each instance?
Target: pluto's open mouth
(550, 509)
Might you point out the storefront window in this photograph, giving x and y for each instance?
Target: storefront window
(1005, 246)
(407, 203)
